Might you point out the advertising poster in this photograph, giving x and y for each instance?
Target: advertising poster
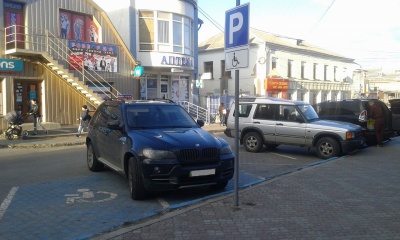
(78, 27)
(92, 31)
(92, 56)
(13, 18)
(65, 25)
(180, 90)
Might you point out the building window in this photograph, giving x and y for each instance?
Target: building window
(273, 64)
(335, 73)
(303, 66)
(224, 73)
(325, 72)
(208, 67)
(315, 71)
(165, 32)
(290, 64)
(146, 30)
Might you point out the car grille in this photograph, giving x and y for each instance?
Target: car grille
(194, 155)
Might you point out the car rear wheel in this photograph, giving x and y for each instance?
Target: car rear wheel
(93, 163)
(136, 185)
(253, 142)
(327, 147)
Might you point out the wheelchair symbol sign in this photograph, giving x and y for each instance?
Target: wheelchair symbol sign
(86, 196)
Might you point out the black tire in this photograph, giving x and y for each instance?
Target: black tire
(219, 186)
(25, 134)
(253, 142)
(327, 147)
(10, 136)
(136, 185)
(93, 163)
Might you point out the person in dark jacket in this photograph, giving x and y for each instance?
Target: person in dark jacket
(376, 113)
(35, 111)
(83, 120)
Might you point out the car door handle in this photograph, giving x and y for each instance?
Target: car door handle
(279, 124)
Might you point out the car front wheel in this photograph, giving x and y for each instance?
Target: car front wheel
(253, 142)
(327, 147)
(136, 185)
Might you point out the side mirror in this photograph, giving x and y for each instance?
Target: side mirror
(114, 125)
(200, 122)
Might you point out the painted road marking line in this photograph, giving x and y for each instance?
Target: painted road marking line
(284, 156)
(4, 205)
(163, 203)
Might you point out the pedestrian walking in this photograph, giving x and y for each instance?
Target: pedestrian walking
(35, 111)
(83, 120)
(376, 113)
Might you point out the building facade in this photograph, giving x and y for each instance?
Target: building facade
(279, 67)
(162, 35)
(65, 54)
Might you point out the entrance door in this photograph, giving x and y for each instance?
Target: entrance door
(25, 91)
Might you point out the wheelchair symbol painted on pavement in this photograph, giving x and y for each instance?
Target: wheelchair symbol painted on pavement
(87, 196)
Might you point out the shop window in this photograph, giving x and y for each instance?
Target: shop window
(208, 67)
(78, 26)
(1, 98)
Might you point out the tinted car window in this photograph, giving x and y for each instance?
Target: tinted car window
(244, 110)
(339, 108)
(165, 116)
(265, 111)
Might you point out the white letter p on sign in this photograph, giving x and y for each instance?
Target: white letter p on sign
(236, 28)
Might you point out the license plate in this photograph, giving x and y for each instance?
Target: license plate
(204, 172)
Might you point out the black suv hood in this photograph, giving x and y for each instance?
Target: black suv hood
(171, 138)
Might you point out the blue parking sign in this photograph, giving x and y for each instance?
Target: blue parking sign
(237, 26)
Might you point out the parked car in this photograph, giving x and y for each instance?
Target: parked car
(272, 121)
(395, 109)
(157, 146)
(356, 111)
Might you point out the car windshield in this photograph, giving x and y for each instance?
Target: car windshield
(308, 112)
(158, 116)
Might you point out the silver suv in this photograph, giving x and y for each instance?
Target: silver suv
(272, 121)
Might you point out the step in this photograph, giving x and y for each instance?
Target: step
(47, 125)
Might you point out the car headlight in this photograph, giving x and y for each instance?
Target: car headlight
(226, 150)
(158, 154)
(350, 135)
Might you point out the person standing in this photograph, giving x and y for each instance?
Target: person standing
(376, 113)
(84, 120)
(103, 64)
(35, 111)
(222, 113)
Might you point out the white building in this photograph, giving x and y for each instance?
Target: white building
(279, 67)
(162, 36)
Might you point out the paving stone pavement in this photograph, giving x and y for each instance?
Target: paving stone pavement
(353, 197)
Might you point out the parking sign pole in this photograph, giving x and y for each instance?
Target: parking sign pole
(236, 173)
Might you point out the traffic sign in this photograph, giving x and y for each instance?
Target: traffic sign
(237, 26)
(237, 37)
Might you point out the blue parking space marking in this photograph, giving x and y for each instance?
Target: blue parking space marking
(82, 207)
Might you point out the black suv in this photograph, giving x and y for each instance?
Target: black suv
(356, 111)
(157, 146)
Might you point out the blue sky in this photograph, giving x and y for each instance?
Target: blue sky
(368, 31)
